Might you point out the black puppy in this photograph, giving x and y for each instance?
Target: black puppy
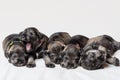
(56, 44)
(99, 51)
(14, 50)
(35, 42)
(72, 51)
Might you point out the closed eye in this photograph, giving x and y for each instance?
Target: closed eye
(52, 55)
(102, 52)
(66, 58)
(101, 57)
(31, 33)
(77, 59)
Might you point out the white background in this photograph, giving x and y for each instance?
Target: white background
(86, 17)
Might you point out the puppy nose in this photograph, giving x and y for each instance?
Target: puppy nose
(58, 59)
(20, 61)
(62, 65)
(70, 64)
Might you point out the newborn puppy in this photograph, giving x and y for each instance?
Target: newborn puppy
(14, 50)
(62, 37)
(99, 51)
(72, 51)
(53, 50)
(35, 41)
(56, 44)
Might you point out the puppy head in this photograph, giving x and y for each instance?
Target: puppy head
(94, 58)
(79, 40)
(54, 49)
(29, 36)
(71, 56)
(18, 58)
(63, 37)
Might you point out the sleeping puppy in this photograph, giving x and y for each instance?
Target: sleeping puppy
(99, 51)
(72, 51)
(14, 50)
(56, 44)
(35, 41)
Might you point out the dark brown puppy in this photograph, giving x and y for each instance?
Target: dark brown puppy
(34, 41)
(14, 50)
(72, 51)
(99, 51)
(56, 44)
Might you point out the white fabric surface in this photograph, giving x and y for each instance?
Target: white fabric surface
(10, 72)
(86, 17)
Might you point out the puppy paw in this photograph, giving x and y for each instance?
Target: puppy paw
(31, 65)
(116, 63)
(50, 65)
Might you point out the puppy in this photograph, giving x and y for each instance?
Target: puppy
(72, 51)
(14, 50)
(56, 44)
(98, 51)
(35, 41)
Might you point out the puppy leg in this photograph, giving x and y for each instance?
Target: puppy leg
(113, 60)
(31, 62)
(47, 60)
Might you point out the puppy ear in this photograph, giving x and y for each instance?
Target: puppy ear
(86, 48)
(20, 33)
(39, 35)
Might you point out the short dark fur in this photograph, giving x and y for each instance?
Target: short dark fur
(79, 40)
(72, 51)
(99, 51)
(36, 40)
(56, 44)
(14, 50)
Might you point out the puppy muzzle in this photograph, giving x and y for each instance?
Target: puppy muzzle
(18, 62)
